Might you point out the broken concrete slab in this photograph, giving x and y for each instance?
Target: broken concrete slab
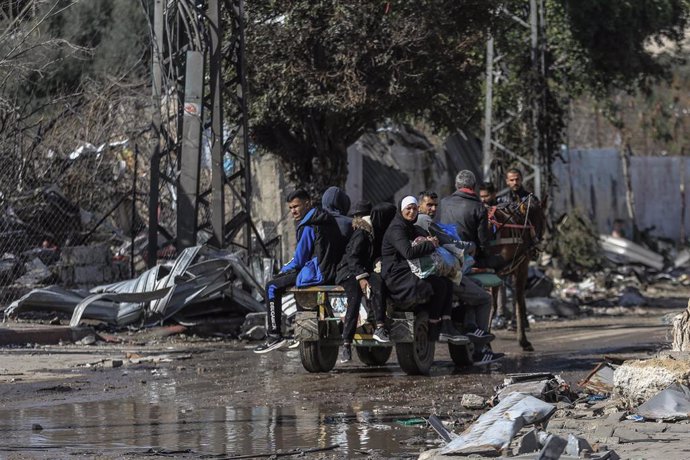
(637, 381)
(43, 335)
(472, 401)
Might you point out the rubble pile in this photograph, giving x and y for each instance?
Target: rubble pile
(539, 416)
(199, 283)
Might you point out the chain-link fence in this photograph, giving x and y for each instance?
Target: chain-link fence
(87, 197)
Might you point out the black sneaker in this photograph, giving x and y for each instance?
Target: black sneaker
(381, 335)
(487, 357)
(480, 336)
(272, 343)
(452, 335)
(346, 354)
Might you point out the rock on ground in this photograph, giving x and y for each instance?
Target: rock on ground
(637, 381)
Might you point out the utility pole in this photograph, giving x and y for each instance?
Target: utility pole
(488, 109)
(190, 68)
(493, 146)
(536, 89)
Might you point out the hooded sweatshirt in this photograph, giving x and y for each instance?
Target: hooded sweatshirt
(320, 246)
(336, 202)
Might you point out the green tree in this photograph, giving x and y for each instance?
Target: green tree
(589, 47)
(322, 72)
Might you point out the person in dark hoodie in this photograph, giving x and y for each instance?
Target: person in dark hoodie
(320, 246)
(336, 202)
(356, 271)
(435, 293)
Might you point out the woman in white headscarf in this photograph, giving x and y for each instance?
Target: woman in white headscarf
(434, 293)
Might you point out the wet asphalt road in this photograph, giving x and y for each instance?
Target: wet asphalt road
(225, 401)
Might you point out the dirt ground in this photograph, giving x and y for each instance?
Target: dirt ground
(187, 397)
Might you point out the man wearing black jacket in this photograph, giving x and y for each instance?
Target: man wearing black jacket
(465, 210)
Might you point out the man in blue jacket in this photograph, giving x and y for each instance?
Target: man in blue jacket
(320, 246)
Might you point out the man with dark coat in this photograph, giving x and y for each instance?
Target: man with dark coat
(320, 246)
(356, 271)
(465, 210)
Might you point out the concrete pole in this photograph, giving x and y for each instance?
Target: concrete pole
(217, 150)
(488, 109)
(534, 93)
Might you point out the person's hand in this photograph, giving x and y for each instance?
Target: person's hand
(433, 240)
(364, 285)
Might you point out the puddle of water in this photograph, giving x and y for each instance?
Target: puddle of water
(132, 424)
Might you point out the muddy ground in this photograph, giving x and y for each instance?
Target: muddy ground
(188, 397)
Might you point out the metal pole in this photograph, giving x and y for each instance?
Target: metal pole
(134, 209)
(217, 172)
(244, 147)
(488, 108)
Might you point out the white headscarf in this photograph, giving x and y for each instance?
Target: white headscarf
(408, 200)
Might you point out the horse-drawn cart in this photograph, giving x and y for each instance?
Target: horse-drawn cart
(317, 326)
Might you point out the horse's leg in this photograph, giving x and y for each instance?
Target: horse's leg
(520, 307)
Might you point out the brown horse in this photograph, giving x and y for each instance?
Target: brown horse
(517, 229)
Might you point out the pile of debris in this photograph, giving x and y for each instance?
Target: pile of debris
(621, 403)
(199, 283)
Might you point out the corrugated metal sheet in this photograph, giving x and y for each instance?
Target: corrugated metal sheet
(592, 181)
(464, 151)
(380, 182)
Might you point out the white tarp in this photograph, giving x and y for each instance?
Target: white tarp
(493, 430)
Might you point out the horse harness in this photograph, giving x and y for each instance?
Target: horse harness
(516, 232)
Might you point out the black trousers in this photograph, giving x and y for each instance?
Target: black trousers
(274, 306)
(354, 298)
(441, 301)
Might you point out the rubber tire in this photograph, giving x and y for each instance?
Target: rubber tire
(417, 357)
(316, 357)
(374, 356)
(462, 355)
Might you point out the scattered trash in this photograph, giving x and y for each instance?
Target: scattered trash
(441, 430)
(600, 380)
(411, 421)
(544, 386)
(624, 250)
(635, 418)
(631, 297)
